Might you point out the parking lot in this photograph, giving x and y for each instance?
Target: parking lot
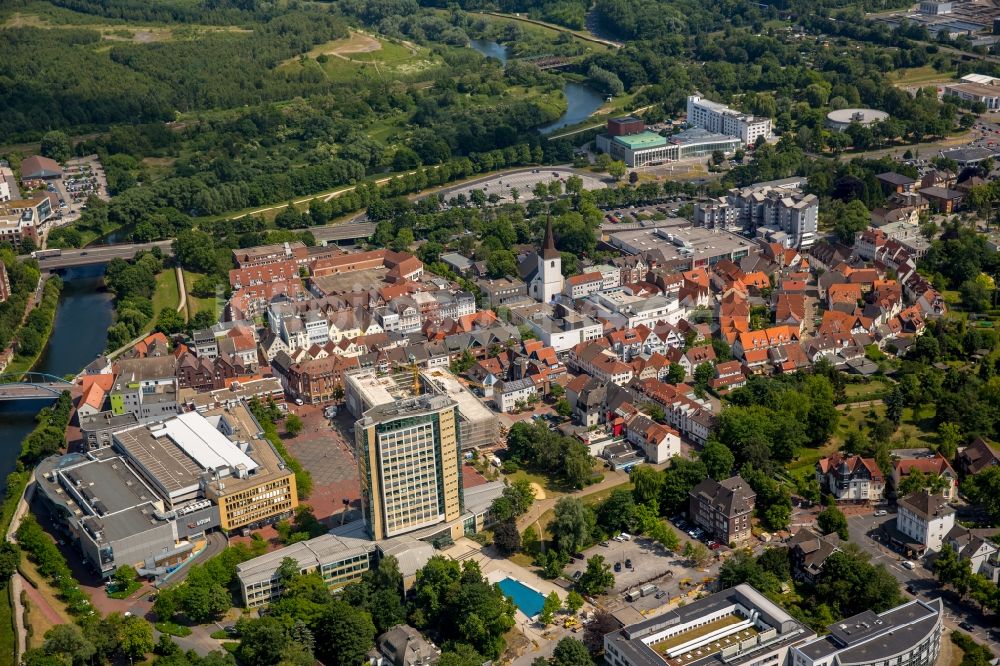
(524, 182)
(650, 564)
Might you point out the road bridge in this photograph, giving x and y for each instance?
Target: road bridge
(102, 254)
(32, 386)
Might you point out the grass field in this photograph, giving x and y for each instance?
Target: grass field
(363, 55)
(166, 295)
(39, 623)
(42, 15)
(196, 305)
(861, 392)
(919, 75)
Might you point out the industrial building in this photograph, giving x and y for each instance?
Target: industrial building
(733, 627)
(909, 634)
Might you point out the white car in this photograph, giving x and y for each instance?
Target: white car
(881, 512)
(908, 564)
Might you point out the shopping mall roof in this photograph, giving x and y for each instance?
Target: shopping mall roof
(641, 140)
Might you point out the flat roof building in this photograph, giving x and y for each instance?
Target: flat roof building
(220, 455)
(907, 634)
(409, 459)
(478, 426)
(841, 119)
(340, 557)
(112, 514)
(736, 626)
(684, 245)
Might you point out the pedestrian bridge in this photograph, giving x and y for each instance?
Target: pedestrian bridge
(32, 386)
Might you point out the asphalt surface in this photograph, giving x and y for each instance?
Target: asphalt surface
(920, 579)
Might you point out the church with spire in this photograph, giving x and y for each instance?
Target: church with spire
(542, 271)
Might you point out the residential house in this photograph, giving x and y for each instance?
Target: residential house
(808, 551)
(512, 394)
(851, 478)
(723, 509)
(976, 547)
(925, 519)
(976, 457)
(659, 443)
(933, 466)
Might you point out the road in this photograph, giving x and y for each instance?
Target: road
(100, 254)
(922, 581)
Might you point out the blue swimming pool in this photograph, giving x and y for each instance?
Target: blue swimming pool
(528, 600)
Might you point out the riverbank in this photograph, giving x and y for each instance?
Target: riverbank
(38, 323)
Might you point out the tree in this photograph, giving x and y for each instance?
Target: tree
(293, 425)
(262, 640)
(135, 637)
(550, 607)
(55, 145)
(647, 483)
(344, 635)
(596, 578)
(506, 537)
(743, 568)
(563, 408)
(617, 512)
(571, 652)
(830, 520)
(697, 552)
(984, 489)
(676, 373)
(849, 584)
(602, 623)
(169, 321)
(574, 601)
(718, 459)
(460, 654)
(68, 640)
(125, 575)
(616, 169)
(202, 603)
(10, 558)
(853, 218)
(570, 527)
(949, 437)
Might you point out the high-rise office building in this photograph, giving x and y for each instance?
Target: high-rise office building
(409, 458)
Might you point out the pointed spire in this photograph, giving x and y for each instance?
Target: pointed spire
(549, 250)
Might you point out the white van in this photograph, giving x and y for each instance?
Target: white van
(625, 536)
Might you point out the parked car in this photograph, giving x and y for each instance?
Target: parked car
(604, 543)
(628, 564)
(881, 512)
(618, 567)
(908, 565)
(625, 536)
(966, 626)
(660, 595)
(579, 556)
(714, 545)
(577, 574)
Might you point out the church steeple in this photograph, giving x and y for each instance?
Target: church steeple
(549, 250)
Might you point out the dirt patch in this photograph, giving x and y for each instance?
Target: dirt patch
(538, 490)
(358, 42)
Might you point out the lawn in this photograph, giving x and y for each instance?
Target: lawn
(862, 392)
(591, 500)
(173, 629)
(195, 304)
(805, 464)
(919, 75)
(166, 294)
(125, 592)
(8, 638)
(30, 571)
(548, 486)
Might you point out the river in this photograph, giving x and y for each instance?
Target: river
(581, 100)
(79, 334)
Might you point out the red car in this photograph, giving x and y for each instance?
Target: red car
(714, 545)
